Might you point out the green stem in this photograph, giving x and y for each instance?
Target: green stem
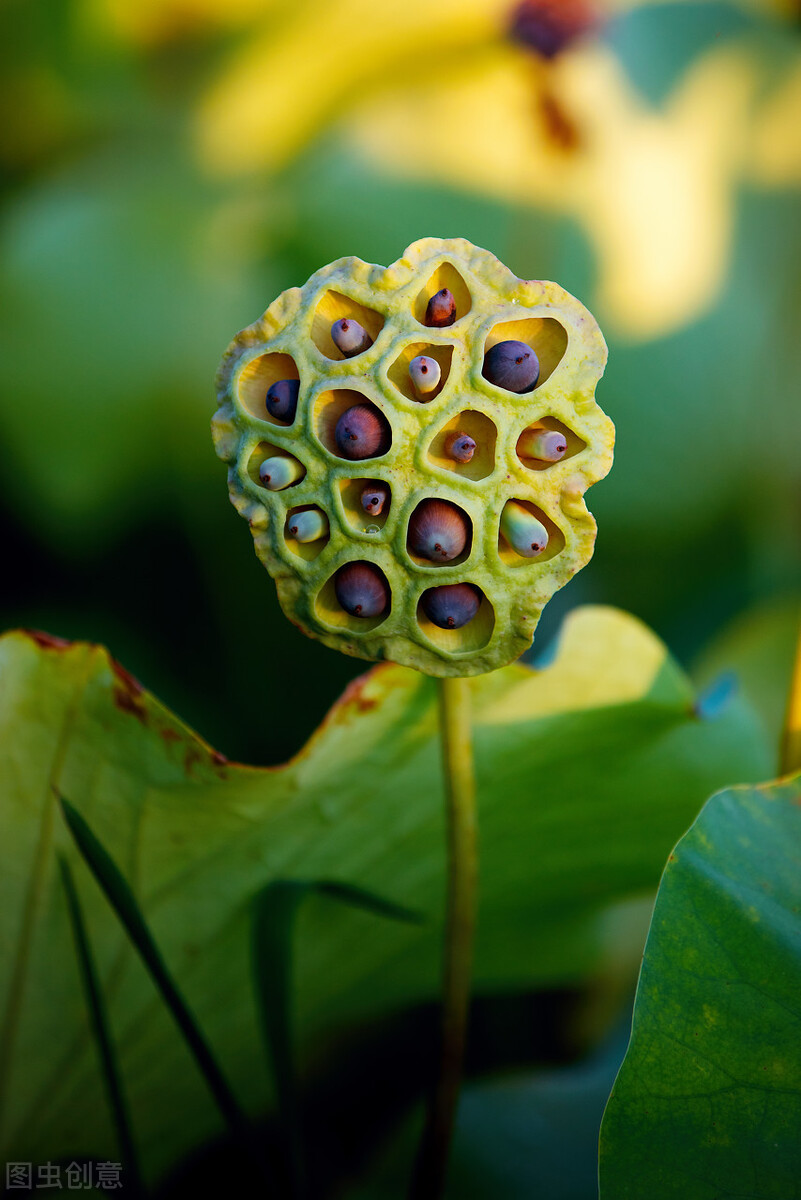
(791, 742)
(460, 790)
(102, 1031)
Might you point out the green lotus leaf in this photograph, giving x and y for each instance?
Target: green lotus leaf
(707, 1105)
(588, 771)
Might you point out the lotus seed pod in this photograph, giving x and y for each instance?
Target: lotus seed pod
(282, 400)
(308, 526)
(460, 447)
(400, 604)
(548, 445)
(441, 309)
(438, 531)
(425, 374)
(350, 338)
(279, 472)
(374, 498)
(513, 366)
(362, 432)
(452, 606)
(522, 530)
(361, 590)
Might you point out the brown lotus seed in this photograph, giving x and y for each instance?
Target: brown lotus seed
(441, 309)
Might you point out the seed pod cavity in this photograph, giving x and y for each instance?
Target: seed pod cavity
(523, 531)
(280, 471)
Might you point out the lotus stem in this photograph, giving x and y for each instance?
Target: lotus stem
(791, 741)
(460, 793)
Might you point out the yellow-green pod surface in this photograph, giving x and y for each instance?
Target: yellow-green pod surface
(293, 341)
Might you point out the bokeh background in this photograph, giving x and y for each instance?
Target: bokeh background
(169, 166)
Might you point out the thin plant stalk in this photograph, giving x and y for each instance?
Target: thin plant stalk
(791, 741)
(460, 794)
(102, 1032)
(123, 902)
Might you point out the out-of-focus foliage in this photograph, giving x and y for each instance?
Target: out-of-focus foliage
(708, 1099)
(759, 648)
(168, 168)
(523, 1135)
(587, 772)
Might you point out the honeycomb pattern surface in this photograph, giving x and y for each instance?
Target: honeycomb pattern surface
(415, 461)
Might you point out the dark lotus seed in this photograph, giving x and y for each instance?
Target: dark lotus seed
(438, 531)
(513, 366)
(441, 309)
(362, 432)
(349, 337)
(549, 26)
(361, 589)
(460, 447)
(451, 606)
(374, 497)
(282, 400)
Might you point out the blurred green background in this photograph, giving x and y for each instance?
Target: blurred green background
(169, 166)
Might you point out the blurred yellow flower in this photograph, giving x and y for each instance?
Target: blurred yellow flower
(435, 92)
(290, 81)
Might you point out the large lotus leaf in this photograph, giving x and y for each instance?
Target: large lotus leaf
(707, 1105)
(588, 771)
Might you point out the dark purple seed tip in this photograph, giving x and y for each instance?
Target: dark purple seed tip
(438, 531)
(374, 498)
(451, 606)
(281, 400)
(441, 309)
(362, 432)
(460, 447)
(361, 589)
(513, 366)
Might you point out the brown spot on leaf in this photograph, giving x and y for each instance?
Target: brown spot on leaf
(354, 694)
(127, 703)
(47, 641)
(192, 757)
(198, 755)
(129, 681)
(128, 692)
